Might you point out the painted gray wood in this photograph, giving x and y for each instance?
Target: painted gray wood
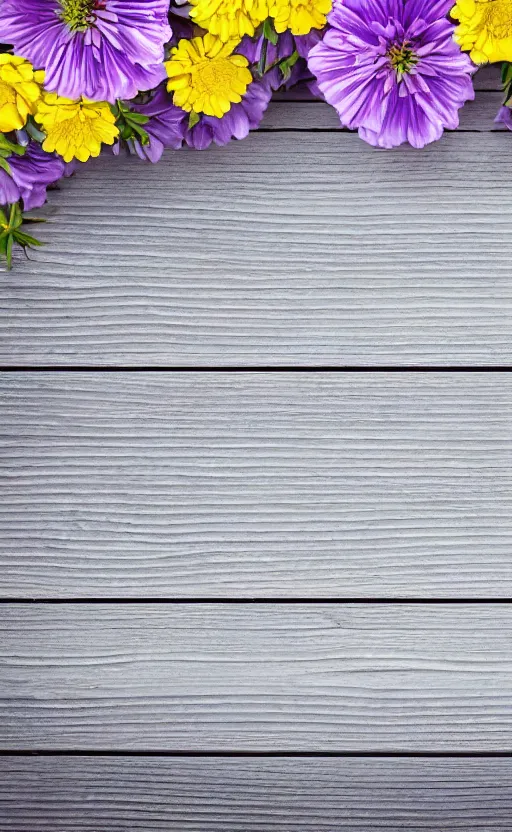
(308, 113)
(255, 485)
(254, 795)
(364, 677)
(488, 77)
(284, 249)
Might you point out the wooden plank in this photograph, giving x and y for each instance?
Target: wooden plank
(280, 250)
(487, 79)
(254, 795)
(312, 114)
(202, 677)
(255, 485)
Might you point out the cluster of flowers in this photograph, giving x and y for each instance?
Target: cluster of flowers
(76, 75)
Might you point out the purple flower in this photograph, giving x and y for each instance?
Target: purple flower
(101, 49)
(286, 45)
(30, 176)
(392, 69)
(181, 24)
(252, 48)
(168, 125)
(504, 116)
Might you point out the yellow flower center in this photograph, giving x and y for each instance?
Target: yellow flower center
(229, 18)
(77, 13)
(497, 18)
(300, 16)
(214, 76)
(402, 58)
(206, 77)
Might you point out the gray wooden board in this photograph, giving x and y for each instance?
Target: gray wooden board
(203, 677)
(308, 113)
(255, 484)
(287, 248)
(81, 794)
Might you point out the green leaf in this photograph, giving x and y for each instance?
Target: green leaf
(193, 119)
(16, 217)
(8, 251)
(269, 33)
(506, 73)
(286, 65)
(11, 233)
(28, 220)
(7, 148)
(26, 240)
(139, 131)
(136, 118)
(34, 131)
(4, 165)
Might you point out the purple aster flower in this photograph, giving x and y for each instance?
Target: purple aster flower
(181, 24)
(504, 116)
(30, 176)
(101, 49)
(286, 45)
(252, 48)
(392, 69)
(168, 125)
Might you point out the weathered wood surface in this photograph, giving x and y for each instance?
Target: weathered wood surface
(356, 677)
(308, 113)
(285, 249)
(256, 484)
(254, 795)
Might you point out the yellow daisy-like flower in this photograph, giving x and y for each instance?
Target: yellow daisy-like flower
(229, 19)
(485, 29)
(20, 90)
(206, 77)
(76, 129)
(300, 16)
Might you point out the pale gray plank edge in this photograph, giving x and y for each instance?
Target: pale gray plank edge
(255, 485)
(203, 677)
(254, 795)
(477, 115)
(283, 249)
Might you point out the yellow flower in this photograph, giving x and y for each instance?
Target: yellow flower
(206, 77)
(20, 90)
(300, 16)
(76, 129)
(229, 18)
(485, 29)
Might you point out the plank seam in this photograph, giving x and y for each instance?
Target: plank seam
(300, 600)
(239, 753)
(257, 368)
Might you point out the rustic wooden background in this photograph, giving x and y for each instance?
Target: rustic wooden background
(255, 525)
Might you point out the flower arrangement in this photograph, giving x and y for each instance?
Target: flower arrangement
(78, 76)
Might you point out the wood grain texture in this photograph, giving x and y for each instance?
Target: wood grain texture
(308, 113)
(283, 249)
(255, 485)
(488, 77)
(255, 795)
(362, 677)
